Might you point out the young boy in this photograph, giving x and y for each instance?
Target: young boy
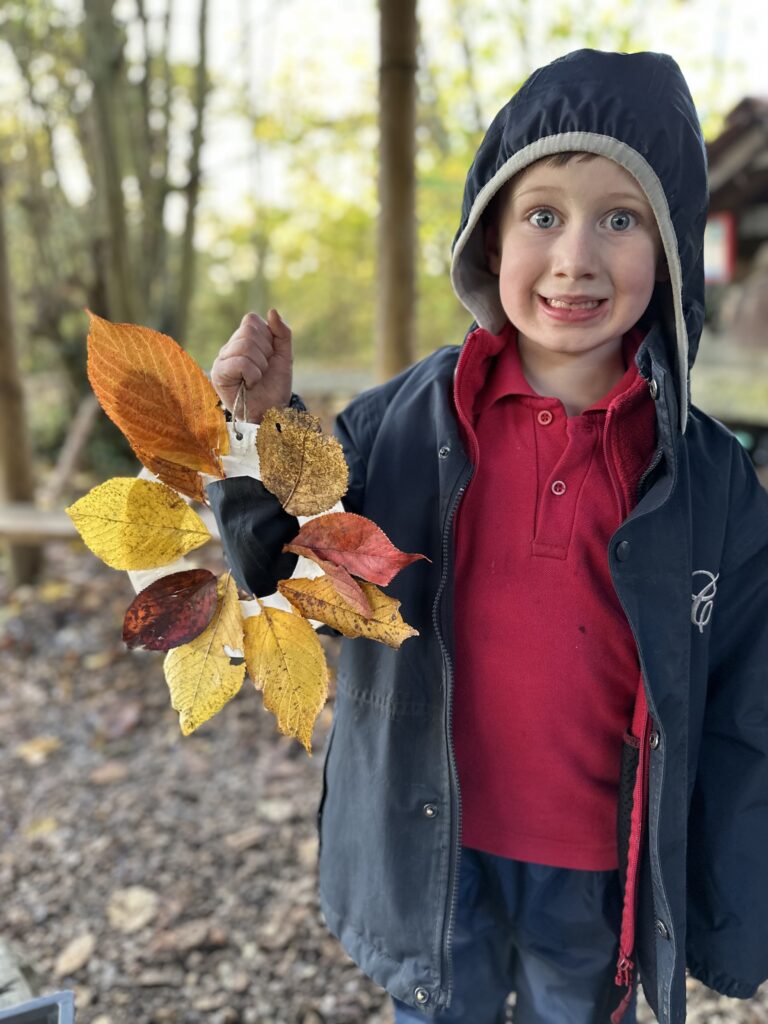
(593, 648)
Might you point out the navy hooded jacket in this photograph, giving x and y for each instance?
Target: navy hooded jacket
(689, 564)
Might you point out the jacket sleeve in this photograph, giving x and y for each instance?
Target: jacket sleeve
(727, 943)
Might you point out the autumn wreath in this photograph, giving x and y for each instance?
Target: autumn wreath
(213, 631)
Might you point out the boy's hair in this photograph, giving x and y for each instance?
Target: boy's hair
(491, 214)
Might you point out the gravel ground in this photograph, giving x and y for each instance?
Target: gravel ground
(166, 879)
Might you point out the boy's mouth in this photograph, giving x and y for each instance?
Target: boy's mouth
(574, 310)
(585, 303)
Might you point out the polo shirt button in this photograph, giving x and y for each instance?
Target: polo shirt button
(421, 995)
(430, 810)
(444, 452)
(622, 550)
(662, 929)
(653, 740)
(545, 417)
(558, 487)
(653, 387)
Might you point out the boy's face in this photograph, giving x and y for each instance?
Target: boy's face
(583, 231)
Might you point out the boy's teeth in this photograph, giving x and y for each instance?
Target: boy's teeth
(558, 303)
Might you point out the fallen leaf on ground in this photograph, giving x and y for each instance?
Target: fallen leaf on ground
(301, 465)
(286, 661)
(158, 396)
(354, 542)
(201, 675)
(317, 599)
(131, 909)
(131, 523)
(37, 751)
(171, 611)
(75, 955)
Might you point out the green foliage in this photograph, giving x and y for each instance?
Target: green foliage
(306, 243)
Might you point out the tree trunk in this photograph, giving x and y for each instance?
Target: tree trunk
(104, 60)
(193, 187)
(16, 477)
(397, 187)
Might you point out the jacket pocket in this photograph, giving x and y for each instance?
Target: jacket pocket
(630, 758)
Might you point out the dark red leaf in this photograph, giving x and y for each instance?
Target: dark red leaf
(353, 542)
(171, 611)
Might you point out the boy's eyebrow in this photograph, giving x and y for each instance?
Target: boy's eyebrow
(634, 197)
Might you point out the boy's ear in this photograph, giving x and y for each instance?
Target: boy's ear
(492, 248)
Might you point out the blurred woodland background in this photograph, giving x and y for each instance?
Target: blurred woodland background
(176, 163)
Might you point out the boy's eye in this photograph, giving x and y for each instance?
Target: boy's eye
(621, 219)
(543, 214)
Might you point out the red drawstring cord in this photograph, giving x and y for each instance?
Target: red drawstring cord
(625, 967)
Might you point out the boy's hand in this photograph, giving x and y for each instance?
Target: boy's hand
(259, 353)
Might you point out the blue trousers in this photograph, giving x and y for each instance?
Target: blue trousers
(548, 934)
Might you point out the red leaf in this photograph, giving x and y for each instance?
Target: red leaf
(353, 542)
(171, 611)
(347, 588)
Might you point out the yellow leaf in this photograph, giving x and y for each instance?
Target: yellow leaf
(300, 465)
(286, 661)
(318, 599)
(137, 524)
(204, 674)
(159, 397)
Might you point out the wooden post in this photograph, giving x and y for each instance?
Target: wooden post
(396, 296)
(16, 476)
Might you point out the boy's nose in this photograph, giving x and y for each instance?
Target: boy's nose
(575, 254)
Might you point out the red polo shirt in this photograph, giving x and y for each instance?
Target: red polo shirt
(546, 665)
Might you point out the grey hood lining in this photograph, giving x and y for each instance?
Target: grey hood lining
(478, 289)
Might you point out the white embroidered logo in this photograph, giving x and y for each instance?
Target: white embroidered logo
(704, 601)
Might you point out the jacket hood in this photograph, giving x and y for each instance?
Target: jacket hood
(636, 109)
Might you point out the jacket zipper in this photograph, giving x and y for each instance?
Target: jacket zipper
(456, 848)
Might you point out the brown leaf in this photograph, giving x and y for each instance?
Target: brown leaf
(317, 599)
(353, 542)
(302, 466)
(171, 611)
(160, 399)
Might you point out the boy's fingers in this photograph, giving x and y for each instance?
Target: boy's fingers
(279, 328)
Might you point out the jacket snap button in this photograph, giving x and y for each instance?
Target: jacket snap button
(653, 387)
(558, 487)
(444, 452)
(653, 740)
(662, 929)
(545, 417)
(421, 995)
(622, 550)
(430, 810)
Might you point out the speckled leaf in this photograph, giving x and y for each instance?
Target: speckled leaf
(302, 466)
(317, 599)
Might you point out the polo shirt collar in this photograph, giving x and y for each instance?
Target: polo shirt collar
(507, 377)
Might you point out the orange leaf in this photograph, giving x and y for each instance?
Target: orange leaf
(160, 399)
(353, 542)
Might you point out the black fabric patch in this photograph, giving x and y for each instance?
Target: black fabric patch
(254, 527)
